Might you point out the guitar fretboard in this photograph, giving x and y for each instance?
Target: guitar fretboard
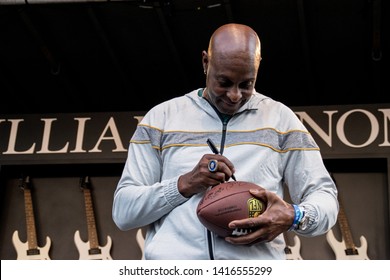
(32, 243)
(346, 232)
(92, 232)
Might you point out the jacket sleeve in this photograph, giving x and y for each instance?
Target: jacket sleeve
(309, 183)
(141, 197)
(311, 186)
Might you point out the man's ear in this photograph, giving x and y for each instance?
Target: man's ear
(205, 61)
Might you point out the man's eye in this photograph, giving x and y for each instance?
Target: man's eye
(225, 84)
(246, 85)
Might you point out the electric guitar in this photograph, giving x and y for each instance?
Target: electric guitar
(293, 252)
(90, 250)
(346, 249)
(29, 250)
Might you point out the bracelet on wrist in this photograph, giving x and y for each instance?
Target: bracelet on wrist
(297, 217)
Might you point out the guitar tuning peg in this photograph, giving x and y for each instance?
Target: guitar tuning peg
(84, 182)
(23, 181)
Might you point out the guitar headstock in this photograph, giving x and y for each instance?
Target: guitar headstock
(24, 182)
(85, 183)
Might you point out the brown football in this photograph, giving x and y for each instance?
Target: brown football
(227, 202)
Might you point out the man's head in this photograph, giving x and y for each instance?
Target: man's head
(231, 65)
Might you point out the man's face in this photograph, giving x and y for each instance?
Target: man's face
(230, 81)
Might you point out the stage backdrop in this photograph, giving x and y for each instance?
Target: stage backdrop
(340, 131)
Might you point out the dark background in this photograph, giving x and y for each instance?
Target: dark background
(74, 56)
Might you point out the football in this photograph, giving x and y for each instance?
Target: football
(227, 202)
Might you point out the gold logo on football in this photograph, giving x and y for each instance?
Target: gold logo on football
(255, 207)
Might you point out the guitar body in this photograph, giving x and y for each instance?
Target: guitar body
(339, 248)
(29, 250)
(346, 249)
(91, 250)
(22, 250)
(84, 249)
(293, 252)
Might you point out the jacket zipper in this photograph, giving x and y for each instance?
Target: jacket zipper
(224, 128)
(225, 122)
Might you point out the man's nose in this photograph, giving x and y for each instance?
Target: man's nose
(234, 94)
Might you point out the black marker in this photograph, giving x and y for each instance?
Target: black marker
(215, 151)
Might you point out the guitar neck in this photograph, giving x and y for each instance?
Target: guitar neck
(92, 232)
(346, 232)
(346, 249)
(30, 220)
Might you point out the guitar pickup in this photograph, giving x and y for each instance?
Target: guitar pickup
(94, 251)
(33, 252)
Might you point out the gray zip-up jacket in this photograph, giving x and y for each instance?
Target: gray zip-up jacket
(267, 144)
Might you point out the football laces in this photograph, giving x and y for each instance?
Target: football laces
(241, 231)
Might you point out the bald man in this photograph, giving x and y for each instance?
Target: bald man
(233, 57)
(260, 140)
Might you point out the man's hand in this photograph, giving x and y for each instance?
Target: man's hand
(200, 178)
(277, 218)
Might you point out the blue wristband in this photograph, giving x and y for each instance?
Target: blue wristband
(297, 217)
